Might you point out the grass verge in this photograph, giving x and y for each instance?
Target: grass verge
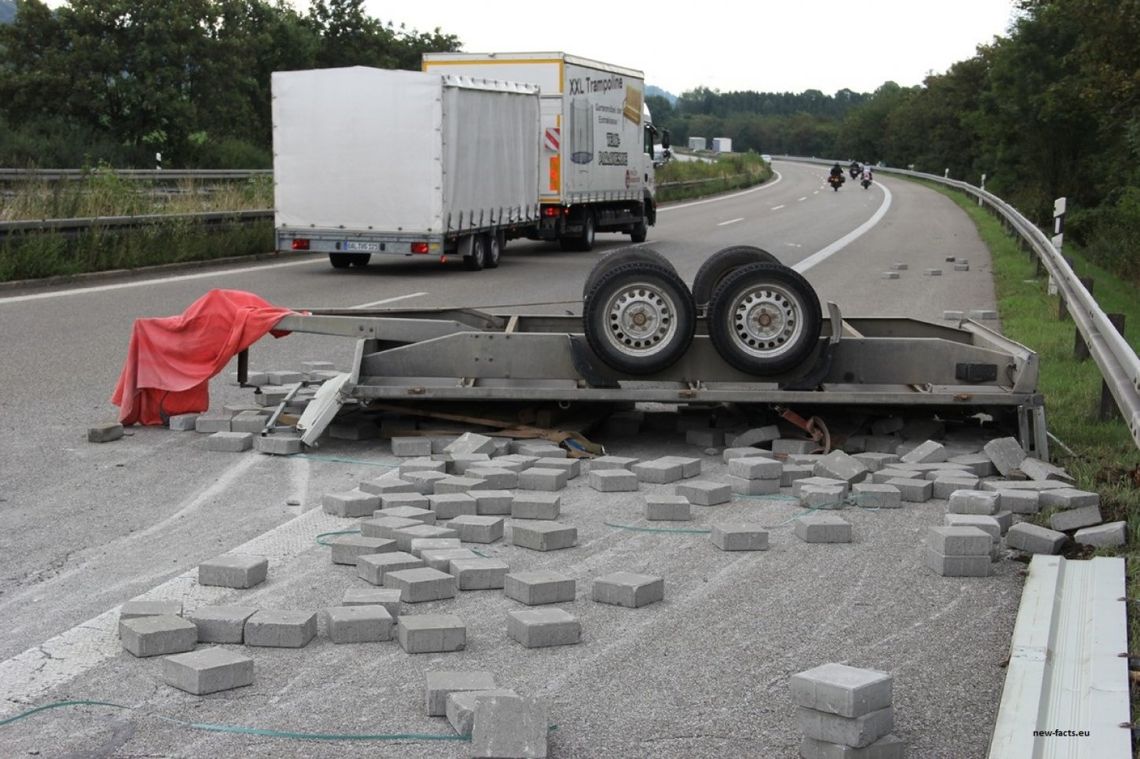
(726, 173)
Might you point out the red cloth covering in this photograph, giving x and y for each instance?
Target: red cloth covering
(171, 359)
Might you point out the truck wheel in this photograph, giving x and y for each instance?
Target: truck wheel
(722, 263)
(622, 256)
(639, 317)
(478, 258)
(340, 260)
(639, 232)
(586, 241)
(495, 242)
(361, 259)
(764, 319)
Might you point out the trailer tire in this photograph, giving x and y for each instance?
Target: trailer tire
(639, 317)
(722, 263)
(340, 260)
(640, 231)
(764, 319)
(589, 232)
(622, 256)
(361, 259)
(478, 258)
(495, 242)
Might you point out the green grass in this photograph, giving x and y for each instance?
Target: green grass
(727, 173)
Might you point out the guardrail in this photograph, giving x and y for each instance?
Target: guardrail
(1118, 363)
(76, 226)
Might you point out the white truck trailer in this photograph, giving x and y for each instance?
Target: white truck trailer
(369, 161)
(597, 136)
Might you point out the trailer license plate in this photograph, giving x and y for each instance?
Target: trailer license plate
(362, 247)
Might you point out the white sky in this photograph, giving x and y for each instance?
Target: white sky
(763, 45)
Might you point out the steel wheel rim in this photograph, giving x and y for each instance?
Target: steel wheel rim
(766, 320)
(641, 319)
(494, 249)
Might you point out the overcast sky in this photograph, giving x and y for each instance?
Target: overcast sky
(780, 46)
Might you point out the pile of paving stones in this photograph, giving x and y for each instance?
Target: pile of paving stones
(846, 712)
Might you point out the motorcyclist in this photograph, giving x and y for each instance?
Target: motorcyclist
(836, 170)
(856, 169)
(867, 176)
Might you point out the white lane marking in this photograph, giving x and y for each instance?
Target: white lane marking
(388, 300)
(152, 282)
(777, 208)
(764, 186)
(801, 200)
(730, 221)
(815, 192)
(826, 253)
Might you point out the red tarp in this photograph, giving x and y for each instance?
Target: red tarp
(171, 359)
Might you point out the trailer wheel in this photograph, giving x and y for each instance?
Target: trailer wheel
(495, 242)
(340, 260)
(361, 259)
(722, 263)
(622, 256)
(640, 231)
(639, 317)
(764, 319)
(586, 241)
(478, 258)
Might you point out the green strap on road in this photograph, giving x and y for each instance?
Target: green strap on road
(334, 532)
(690, 530)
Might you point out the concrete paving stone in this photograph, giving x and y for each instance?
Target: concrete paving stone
(157, 635)
(385, 526)
(415, 500)
(411, 446)
(452, 484)
(229, 442)
(539, 450)
(1074, 519)
(249, 421)
(358, 624)
(933, 272)
(612, 462)
(372, 567)
(658, 472)
(283, 377)
(690, 466)
(510, 464)
(277, 445)
(959, 541)
(506, 726)
(350, 503)
(823, 528)
(790, 473)
(420, 585)
(875, 461)
(478, 529)
(967, 501)
(822, 497)
(1005, 453)
(947, 486)
(278, 628)
(978, 463)
(842, 690)
(135, 609)
(840, 466)
(516, 458)
(542, 628)
(891, 275)
(928, 452)
(450, 505)
(233, 570)
(810, 482)
(628, 589)
(389, 598)
(912, 490)
(704, 492)
(870, 495)
(461, 707)
(479, 573)
(209, 670)
(1004, 520)
(437, 553)
(431, 633)
(1036, 469)
(705, 438)
(406, 535)
(221, 624)
(388, 484)
(1111, 535)
(463, 464)
(954, 315)
(756, 468)
(1019, 501)
(536, 588)
(739, 537)
(345, 549)
(958, 566)
(425, 481)
(794, 445)
(213, 421)
(272, 396)
(728, 454)
(541, 535)
(573, 467)
(1035, 486)
(987, 524)
(1068, 498)
(440, 684)
(887, 747)
(1033, 538)
(741, 486)
(667, 508)
(421, 464)
(951, 474)
(493, 502)
(613, 480)
(755, 436)
(850, 731)
(898, 266)
(925, 469)
(543, 478)
(529, 504)
(471, 442)
(882, 476)
(183, 422)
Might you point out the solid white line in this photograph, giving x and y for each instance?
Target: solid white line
(153, 282)
(764, 186)
(826, 253)
(777, 208)
(801, 200)
(730, 221)
(388, 300)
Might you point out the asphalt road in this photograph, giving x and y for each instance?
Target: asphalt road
(88, 527)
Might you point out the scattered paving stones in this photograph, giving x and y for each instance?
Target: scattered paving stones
(221, 624)
(1111, 535)
(755, 468)
(541, 628)
(536, 505)
(613, 480)
(451, 505)
(1035, 469)
(461, 707)
(229, 442)
(842, 690)
(756, 436)
(1019, 501)
(982, 522)
(183, 422)
(465, 465)
(541, 535)
(667, 508)
(823, 528)
(543, 478)
(210, 670)
(973, 502)
(870, 495)
(431, 633)
(233, 570)
(389, 598)
(816, 482)
(657, 472)
(106, 433)
(425, 481)
(822, 496)
(1074, 519)
(440, 684)
(350, 503)
(742, 486)
(493, 502)
(479, 573)
(704, 492)
(423, 584)
(281, 629)
(388, 484)
(839, 466)
(469, 443)
(478, 529)
(912, 490)
(135, 609)
(739, 537)
(1005, 453)
(386, 526)
(628, 589)
(509, 726)
(536, 588)
(415, 500)
(929, 452)
(496, 478)
(252, 422)
(791, 473)
(728, 454)
(794, 445)
(405, 536)
(411, 446)
(277, 445)
(345, 549)
(440, 558)
(157, 635)
(612, 462)
(358, 624)
(945, 487)
(462, 485)
(373, 567)
(573, 467)
(1033, 538)
(1068, 498)
(959, 551)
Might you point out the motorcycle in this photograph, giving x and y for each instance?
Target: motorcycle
(855, 172)
(866, 182)
(835, 180)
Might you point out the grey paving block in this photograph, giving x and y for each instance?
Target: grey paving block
(628, 589)
(541, 535)
(419, 545)
(755, 436)
(221, 624)
(358, 624)
(135, 609)
(536, 505)
(928, 452)
(870, 495)
(509, 726)
(791, 473)
(959, 541)
(539, 450)
(350, 503)
(1005, 453)
(478, 529)
(978, 463)
(249, 421)
(106, 433)
(440, 558)
(1019, 501)
(755, 468)
(461, 707)
(794, 445)
(573, 467)
(1036, 486)
(913, 491)
(157, 635)
(741, 486)
(851, 731)
(439, 684)
(658, 472)
(388, 484)
(987, 524)
(1033, 538)
(822, 528)
(542, 628)
(209, 670)
(431, 633)
(268, 396)
(389, 598)
(887, 747)
(690, 467)
(453, 484)
(281, 628)
(183, 422)
(1036, 469)
(739, 537)
(493, 502)
(891, 275)
(405, 536)
(451, 505)
(957, 566)
(421, 464)
(1068, 498)
(229, 442)
(886, 474)
(1074, 519)
(479, 573)
(372, 567)
(875, 461)
(1111, 535)
(822, 496)
(612, 462)
(933, 272)
(613, 480)
(968, 501)
(496, 478)
(415, 500)
(424, 481)
(545, 479)
(411, 446)
(345, 549)
(283, 377)
(471, 442)
(945, 487)
(728, 454)
(277, 445)
(419, 585)
(536, 588)
(842, 690)
(840, 466)
(385, 526)
(704, 492)
(809, 482)
(1004, 520)
(233, 570)
(668, 508)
